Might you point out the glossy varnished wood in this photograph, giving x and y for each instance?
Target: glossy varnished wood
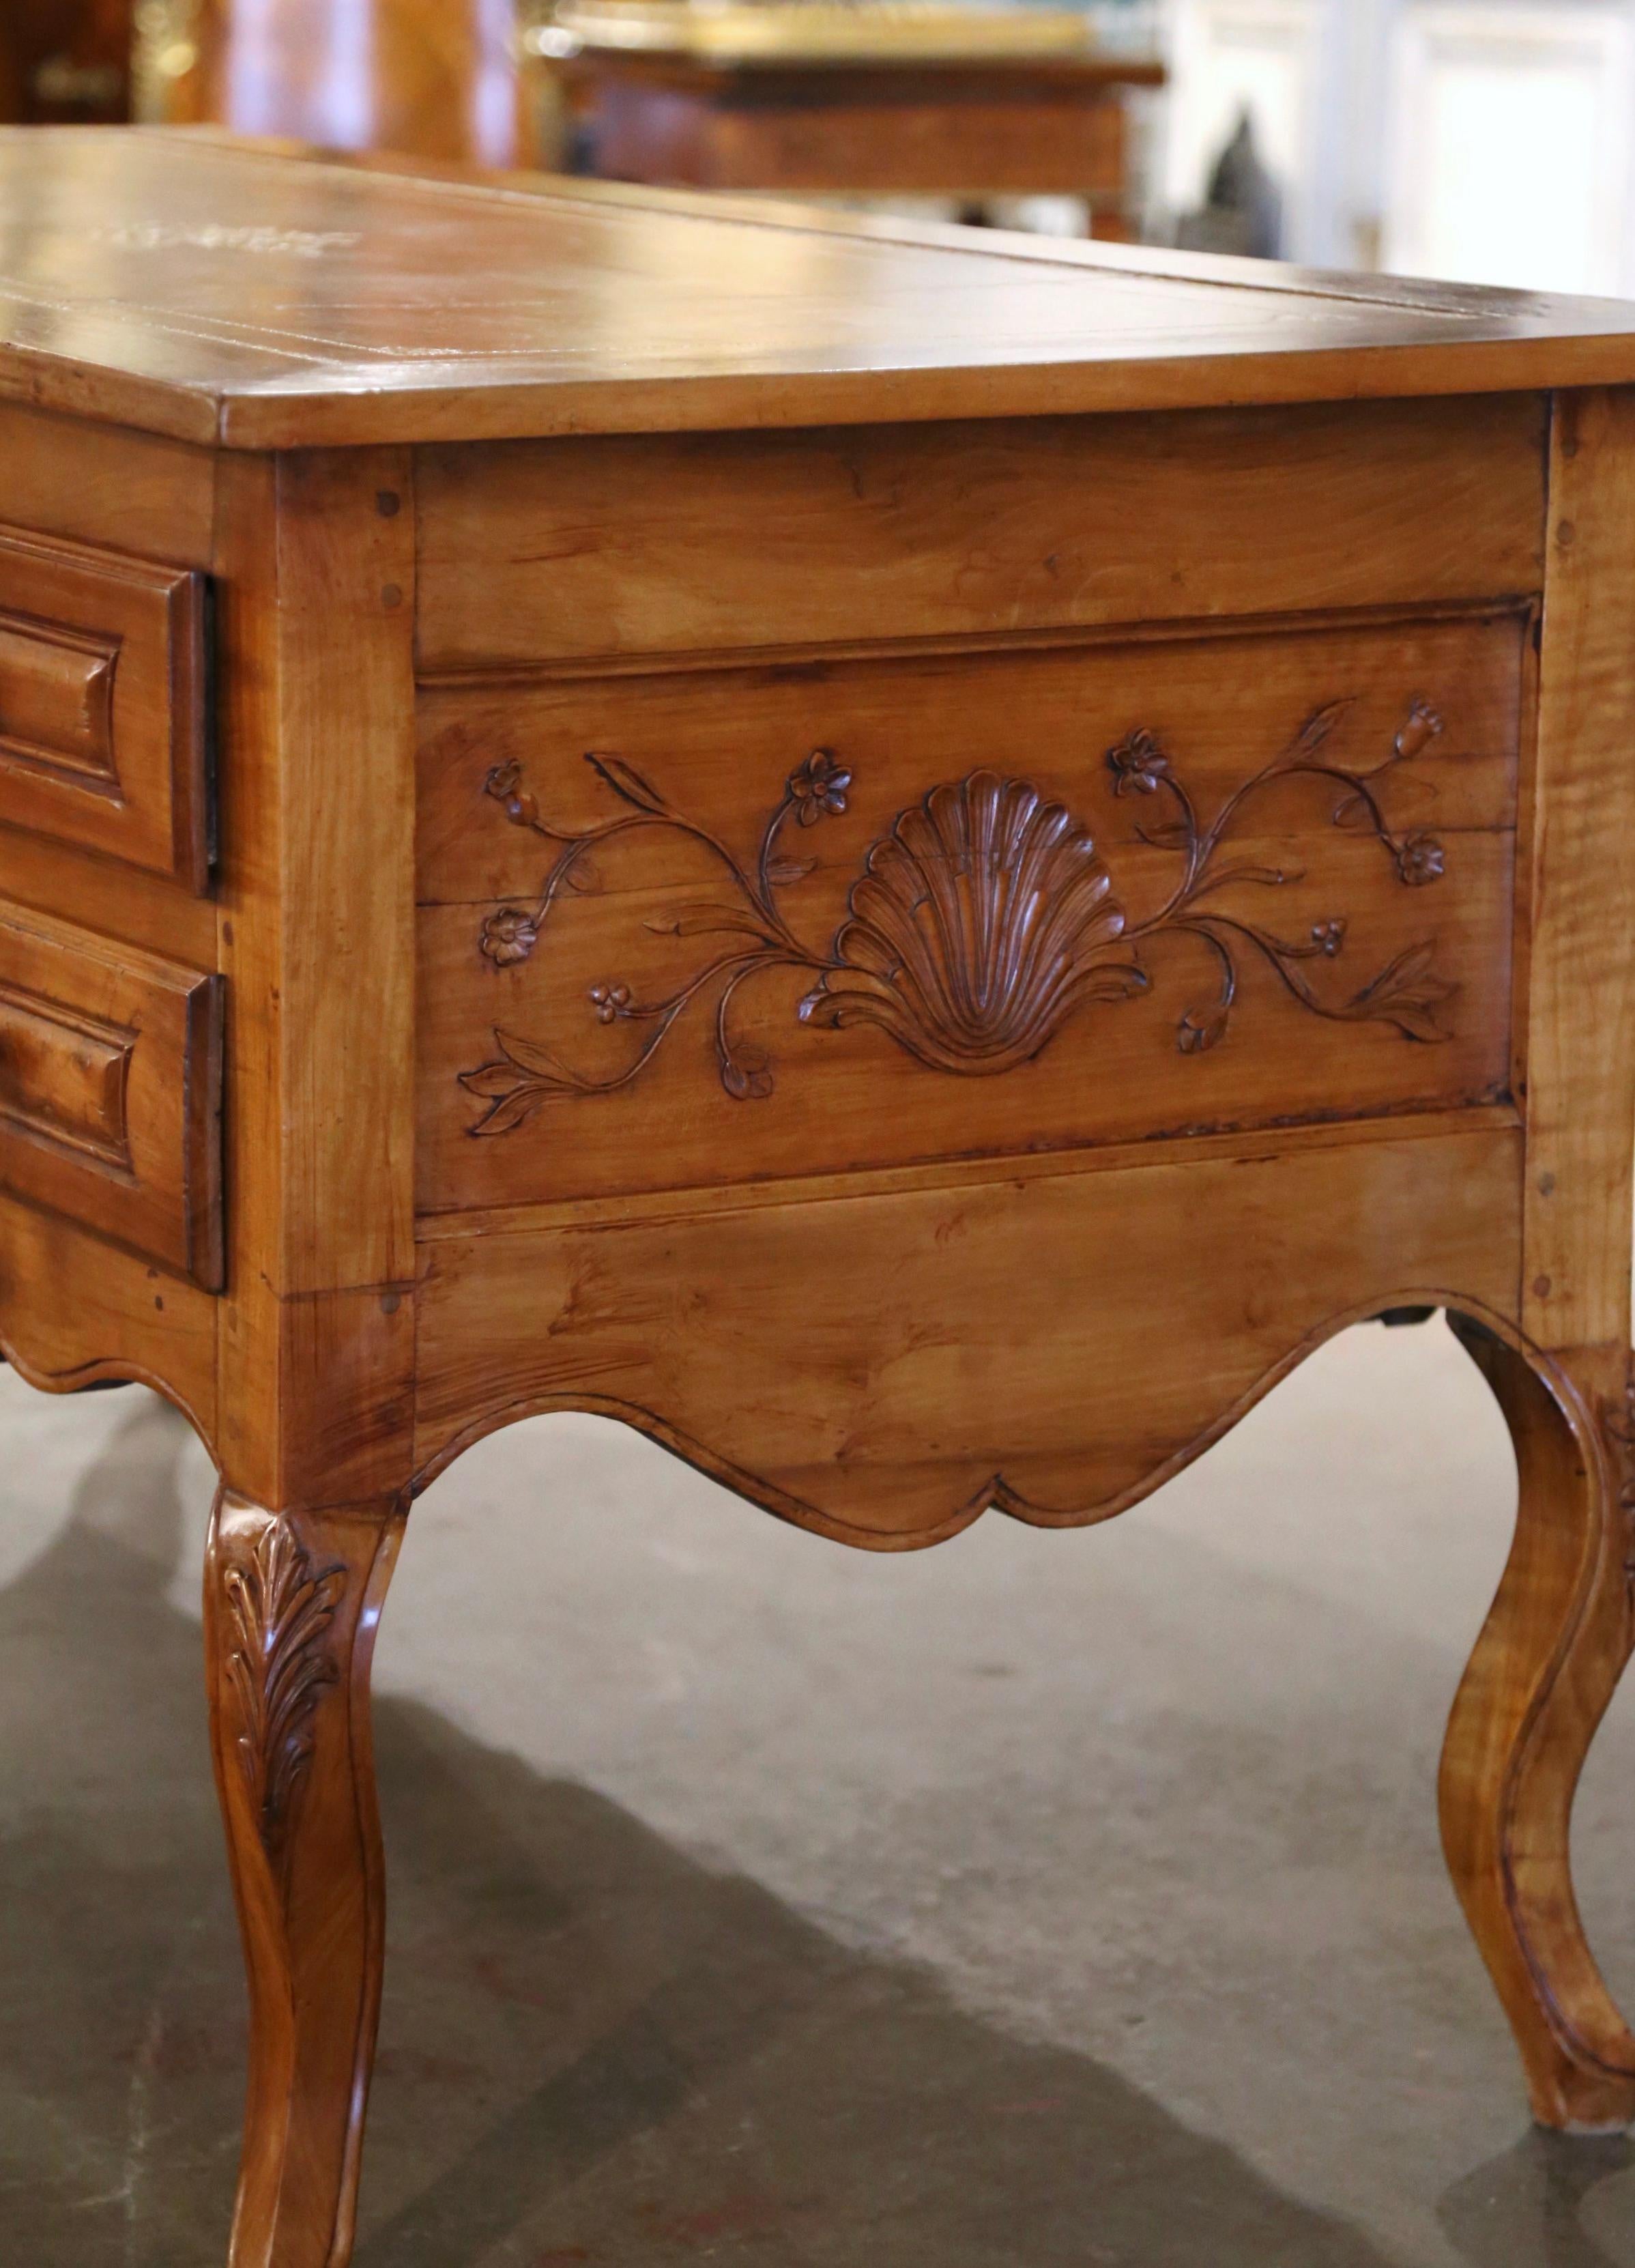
(102, 720)
(436, 78)
(292, 1605)
(894, 1427)
(381, 308)
(110, 1089)
(914, 125)
(1063, 913)
(519, 961)
(622, 547)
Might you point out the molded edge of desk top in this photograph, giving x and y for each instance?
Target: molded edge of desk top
(214, 291)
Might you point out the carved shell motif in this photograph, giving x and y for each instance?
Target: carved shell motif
(978, 927)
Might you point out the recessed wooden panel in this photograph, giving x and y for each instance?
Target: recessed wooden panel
(101, 703)
(110, 1090)
(867, 914)
(535, 551)
(881, 1367)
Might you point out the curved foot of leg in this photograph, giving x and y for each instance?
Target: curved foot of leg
(1544, 1669)
(291, 1602)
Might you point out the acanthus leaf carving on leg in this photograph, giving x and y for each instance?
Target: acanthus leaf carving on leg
(983, 920)
(280, 1609)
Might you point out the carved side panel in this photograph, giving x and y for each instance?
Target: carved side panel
(685, 928)
(981, 923)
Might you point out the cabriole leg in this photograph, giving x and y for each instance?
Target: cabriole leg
(1544, 1669)
(291, 1604)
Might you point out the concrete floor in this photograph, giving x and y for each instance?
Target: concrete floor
(1041, 1900)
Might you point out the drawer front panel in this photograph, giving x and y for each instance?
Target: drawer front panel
(110, 1078)
(101, 705)
(874, 913)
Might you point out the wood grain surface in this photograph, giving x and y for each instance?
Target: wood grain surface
(620, 547)
(215, 293)
(316, 568)
(292, 1605)
(1062, 914)
(1545, 1667)
(655, 906)
(1581, 933)
(883, 1367)
(110, 1090)
(102, 719)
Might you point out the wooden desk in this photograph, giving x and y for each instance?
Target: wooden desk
(1000, 127)
(608, 805)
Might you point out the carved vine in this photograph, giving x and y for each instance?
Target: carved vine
(982, 920)
(280, 1610)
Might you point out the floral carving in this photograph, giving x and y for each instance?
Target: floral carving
(508, 937)
(281, 1611)
(982, 921)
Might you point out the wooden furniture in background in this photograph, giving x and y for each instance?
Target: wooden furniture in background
(1004, 126)
(771, 869)
(433, 78)
(65, 63)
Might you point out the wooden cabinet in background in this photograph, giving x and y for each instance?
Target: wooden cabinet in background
(431, 78)
(1002, 126)
(914, 864)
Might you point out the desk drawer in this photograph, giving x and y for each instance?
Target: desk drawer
(101, 703)
(884, 912)
(110, 1079)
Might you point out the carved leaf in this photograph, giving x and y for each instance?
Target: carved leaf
(1201, 1029)
(1408, 994)
(492, 1082)
(280, 1610)
(530, 1055)
(1318, 729)
(514, 1108)
(626, 781)
(705, 920)
(745, 1076)
(1166, 835)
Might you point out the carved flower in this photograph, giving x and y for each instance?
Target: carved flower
(1137, 763)
(610, 1001)
(1424, 724)
(505, 784)
(819, 786)
(1329, 936)
(981, 923)
(1420, 858)
(509, 936)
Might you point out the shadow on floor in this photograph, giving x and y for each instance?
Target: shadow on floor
(596, 2052)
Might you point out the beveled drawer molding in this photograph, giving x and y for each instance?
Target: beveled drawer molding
(110, 1078)
(102, 739)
